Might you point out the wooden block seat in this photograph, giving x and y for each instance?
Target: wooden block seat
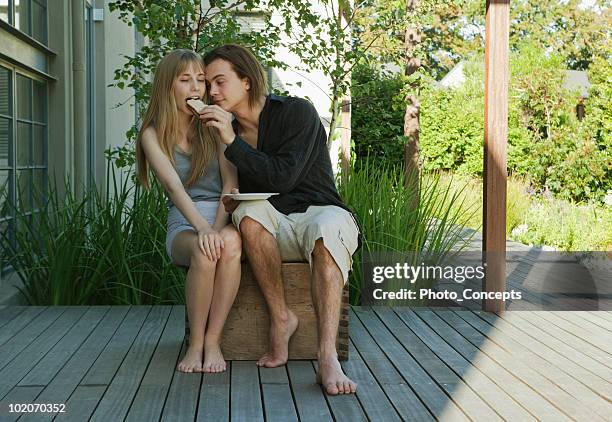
(245, 336)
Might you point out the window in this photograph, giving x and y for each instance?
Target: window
(4, 10)
(29, 16)
(23, 145)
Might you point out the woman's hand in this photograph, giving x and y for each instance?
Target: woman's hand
(215, 116)
(210, 243)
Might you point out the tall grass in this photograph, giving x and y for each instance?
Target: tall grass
(109, 249)
(95, 249)
(517, 204)
(390, 224)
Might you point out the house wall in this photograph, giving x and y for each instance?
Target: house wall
(84, 116)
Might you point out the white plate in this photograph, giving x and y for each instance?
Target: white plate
(249, 196)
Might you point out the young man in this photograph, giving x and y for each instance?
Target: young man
(278, 144)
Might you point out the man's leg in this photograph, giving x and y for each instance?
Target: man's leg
(327, 284)
(263, 253)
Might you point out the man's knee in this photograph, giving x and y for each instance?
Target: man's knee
(324, 260)
(250, 229)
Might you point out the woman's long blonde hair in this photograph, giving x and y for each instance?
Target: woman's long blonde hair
(162, 115)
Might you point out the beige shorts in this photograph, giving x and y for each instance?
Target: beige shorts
(297, 233)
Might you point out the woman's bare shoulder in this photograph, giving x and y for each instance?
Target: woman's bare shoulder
(149, 134)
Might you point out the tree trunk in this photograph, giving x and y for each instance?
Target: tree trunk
(411, 116)
(344, 10)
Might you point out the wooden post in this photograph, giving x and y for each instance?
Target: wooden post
(495, 140)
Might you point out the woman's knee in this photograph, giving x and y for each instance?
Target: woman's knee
(198, 258)
(232, 243)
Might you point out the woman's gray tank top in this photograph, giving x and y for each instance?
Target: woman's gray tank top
(207, 187)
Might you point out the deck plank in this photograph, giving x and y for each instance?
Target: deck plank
(449, 381)
(491, 393)
(551, 392)
(103, 369)
(182, 401)
(149, 400)
(114, 362)
(28, 334)
(67, 379)
(44, 371)
(576, 342)
(21, 319)
(309, 399)
(8, 313)
(432, 395)
(12, 373)
(545, 332)
(548, 369)
(82, 403)
(594, 318)
(276, 392)
(372, 397)
(118, 396)
(214, 403)
(396, 388)
(245, 398)
(454, 334)
(593, 334)
(525, 342)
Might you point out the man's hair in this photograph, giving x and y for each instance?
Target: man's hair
(245, 65)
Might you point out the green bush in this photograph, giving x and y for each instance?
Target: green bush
(452, 126)
(547, 144)
(377, 118)
(94, 250)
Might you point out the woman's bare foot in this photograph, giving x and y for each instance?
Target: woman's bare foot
(280, 333)
(192, 361)
(332, 378)
(213, 358)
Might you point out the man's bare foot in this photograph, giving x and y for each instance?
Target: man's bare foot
(192, 361)
(280, 334)
(213, 358)
(333, 380)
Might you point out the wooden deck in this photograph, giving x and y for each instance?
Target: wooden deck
(118, 363)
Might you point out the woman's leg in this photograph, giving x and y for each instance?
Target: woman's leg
(227, 280)
(198, 295)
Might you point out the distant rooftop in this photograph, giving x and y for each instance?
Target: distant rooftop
(577, 80)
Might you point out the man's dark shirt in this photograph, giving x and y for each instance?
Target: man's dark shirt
(291, 157)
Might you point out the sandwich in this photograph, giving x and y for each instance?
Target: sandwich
(196, 105)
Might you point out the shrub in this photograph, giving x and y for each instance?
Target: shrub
(95, 250)
(547, 144)
(377, 115)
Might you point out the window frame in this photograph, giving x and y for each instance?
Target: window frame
(14, 168)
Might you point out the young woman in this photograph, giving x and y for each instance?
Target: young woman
(187, 158)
